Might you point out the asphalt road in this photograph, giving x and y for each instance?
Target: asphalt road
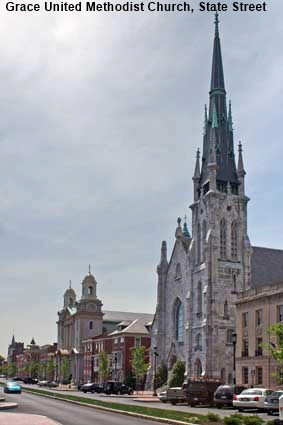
(183, 408)
(69, 414)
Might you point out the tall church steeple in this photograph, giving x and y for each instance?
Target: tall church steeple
(219, 129)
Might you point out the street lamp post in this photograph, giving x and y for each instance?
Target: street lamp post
(92, 368)
(234, 341)
(155, 354)
(115, 366)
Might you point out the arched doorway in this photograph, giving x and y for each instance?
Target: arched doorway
(198, 368)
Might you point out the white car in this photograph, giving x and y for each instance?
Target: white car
(252, 398)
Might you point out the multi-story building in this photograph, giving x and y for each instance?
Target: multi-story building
(14, 349)
(197, 288)
(81, 321)
(117, 345)
(257, 309)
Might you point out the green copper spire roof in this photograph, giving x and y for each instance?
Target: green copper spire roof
(214, 123)
(186, 232)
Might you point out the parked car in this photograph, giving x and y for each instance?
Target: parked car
(252, 398)
(200, 392)
(271, 404)
(224, 395)
(113, 387)
(52, 384)
(12, 387)
(30, 381)
(16, 378)
(176, 395)
(92, 388)
(163, 396)
(43, 383)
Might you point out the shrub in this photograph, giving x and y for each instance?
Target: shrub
(176, 378)
(161, 375)
(233, 420)
(252, 420)
(213, 417)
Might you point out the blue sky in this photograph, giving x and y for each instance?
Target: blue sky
(100, 118)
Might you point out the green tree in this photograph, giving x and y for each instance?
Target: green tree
(12, 369)
(138, 363)
(50, 369)
(176, 377)
(65, 370)
(34, 369)
(161, 375)
(276, 349)
(103, 366)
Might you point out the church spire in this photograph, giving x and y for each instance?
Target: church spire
(217, 75)
(218, 134)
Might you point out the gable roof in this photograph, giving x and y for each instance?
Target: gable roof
(137, 326)
(121, 316)
(266, 266)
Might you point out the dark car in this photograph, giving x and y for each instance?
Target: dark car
(200, 392)
(30, 381)
(12, 387)
(113, 387)
(224, 395)
(92, 388)
(16, 378)
(271, 404)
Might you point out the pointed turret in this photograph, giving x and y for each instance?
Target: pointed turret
(219, 129)
(186, 232)
(179, 232)
(241, 170)
(163, 257)
(196, 177)
(13, 340)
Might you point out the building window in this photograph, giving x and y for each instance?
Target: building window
(138, 342)
(234, 284)
(180, 322)
(229, 339)
(245, 375)
(245, 320)
(198, 368)
(279, 375)
(259, 376)
(226, 311)
(258, 350)
(280, 313)
(122, 340)
(91, 324)
(245, 352)
(234, 241)
(198, 342)
(198, 244)
(178, 273)
(199, 299)
(258, 317)
(115, 341)
(204, 232)
(223, 239)
(90, 290)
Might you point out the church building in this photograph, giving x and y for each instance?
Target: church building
(195, 317)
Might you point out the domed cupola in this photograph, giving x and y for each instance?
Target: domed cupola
(70, 297)
(89, 287)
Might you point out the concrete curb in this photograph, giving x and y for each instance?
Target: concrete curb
(2, 399)
(121, 412)
(6, 406)
(26, 419)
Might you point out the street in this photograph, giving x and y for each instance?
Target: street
(67, 413)
(29, 401)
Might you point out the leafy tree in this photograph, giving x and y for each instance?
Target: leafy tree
(103, 365)
(65, 369)
(138, 363)
(12, 369)
(276, 349)
(50, 369)
(34, 368)
(176, 377)
(161, 375)
(130, 380)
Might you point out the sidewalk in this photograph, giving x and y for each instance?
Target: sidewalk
(25, 419)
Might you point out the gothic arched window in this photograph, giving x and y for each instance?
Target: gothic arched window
(226, 312)
(180, 322)
(90, 290)
(198, 341)
(229, 338)
(198, 244)
(204, 231)
(223, 239)
(234, 241)
(198, 368)
(71, 302)
(199, 299)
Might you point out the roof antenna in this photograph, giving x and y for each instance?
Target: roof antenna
(89, 269)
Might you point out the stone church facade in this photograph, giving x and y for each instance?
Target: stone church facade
(197, 288)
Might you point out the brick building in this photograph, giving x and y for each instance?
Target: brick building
(117, 345)
(257, 309)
